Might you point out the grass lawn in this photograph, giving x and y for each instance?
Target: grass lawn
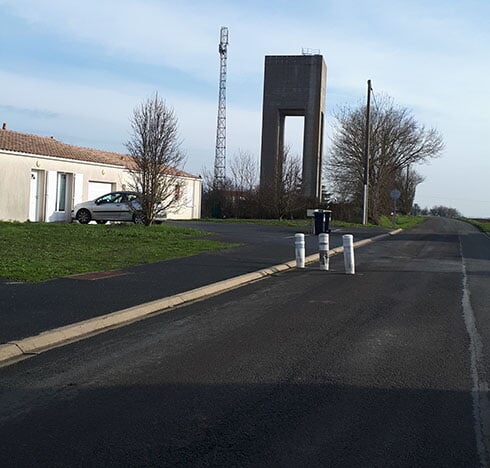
(37, 252)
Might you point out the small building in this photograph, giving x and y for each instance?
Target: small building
(41, 179)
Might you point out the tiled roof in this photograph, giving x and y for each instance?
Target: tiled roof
(49, 146)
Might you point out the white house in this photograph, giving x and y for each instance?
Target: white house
(41, 179)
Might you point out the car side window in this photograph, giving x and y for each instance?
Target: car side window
(104, 199)
(110, 198)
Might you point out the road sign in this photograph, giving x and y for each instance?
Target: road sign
(395, 194)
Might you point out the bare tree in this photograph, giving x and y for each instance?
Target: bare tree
(396, 142)
(236, 195)
(243, 191)
(284, 198)
(239, 195)
(208, 181)
(155, 157)
(445, 211)
(244, 172)
(290, 195)
(407, 181)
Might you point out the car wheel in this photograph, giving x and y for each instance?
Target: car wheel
(83, 216)
(139, 218)
(101, 221)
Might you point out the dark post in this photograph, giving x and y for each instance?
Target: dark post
(366, 158)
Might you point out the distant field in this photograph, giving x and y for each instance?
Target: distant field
(41, 251)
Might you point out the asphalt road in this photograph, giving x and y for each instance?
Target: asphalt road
(305, 368)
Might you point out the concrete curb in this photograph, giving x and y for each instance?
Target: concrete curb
(12, 351)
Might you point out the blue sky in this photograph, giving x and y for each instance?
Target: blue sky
(75, 70)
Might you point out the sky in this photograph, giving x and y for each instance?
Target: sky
(75, 70)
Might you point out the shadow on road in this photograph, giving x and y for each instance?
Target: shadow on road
(280, 424)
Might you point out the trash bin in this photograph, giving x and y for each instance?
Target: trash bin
(319, 225)
(328, 218)
(322, 221)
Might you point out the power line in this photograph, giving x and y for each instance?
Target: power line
(374, 99)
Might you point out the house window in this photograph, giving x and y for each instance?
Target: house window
(61, 192)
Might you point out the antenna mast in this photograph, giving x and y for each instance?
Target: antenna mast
(220, 155)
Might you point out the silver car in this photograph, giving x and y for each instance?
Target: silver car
(114, 206)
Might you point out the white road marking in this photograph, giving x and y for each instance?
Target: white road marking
(481, 403)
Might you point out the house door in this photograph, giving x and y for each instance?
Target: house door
(35, 197)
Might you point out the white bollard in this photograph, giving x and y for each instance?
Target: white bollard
(348, 243)
(323, 248)
(299, 244)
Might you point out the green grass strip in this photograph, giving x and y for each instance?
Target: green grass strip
(37, 252)
(480, 224)
(402, 221)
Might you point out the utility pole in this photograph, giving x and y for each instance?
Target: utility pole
(366, 157)
(220, 154)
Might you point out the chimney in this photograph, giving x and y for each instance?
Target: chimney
(4, 126)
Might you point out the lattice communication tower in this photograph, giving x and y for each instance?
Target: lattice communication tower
(220, 155)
